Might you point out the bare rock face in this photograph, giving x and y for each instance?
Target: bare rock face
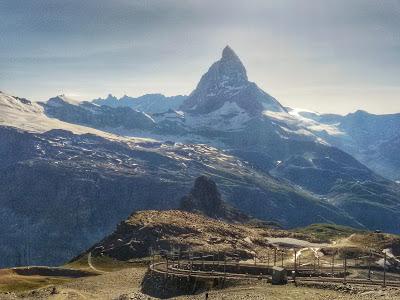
(204, 198)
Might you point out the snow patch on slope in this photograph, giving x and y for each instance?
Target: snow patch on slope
(295, 121)
(228, 117)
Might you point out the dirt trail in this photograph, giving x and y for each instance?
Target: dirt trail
(89, 260)
(292, 242)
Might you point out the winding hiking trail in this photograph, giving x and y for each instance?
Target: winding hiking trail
(89, 260)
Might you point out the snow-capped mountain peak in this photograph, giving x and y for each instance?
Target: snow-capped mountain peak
(226, 81)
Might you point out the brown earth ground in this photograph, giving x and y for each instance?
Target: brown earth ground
(115, 280)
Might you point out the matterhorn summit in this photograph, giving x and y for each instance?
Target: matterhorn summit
(226, 85)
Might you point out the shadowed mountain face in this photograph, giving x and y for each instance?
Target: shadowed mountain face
(205, 198)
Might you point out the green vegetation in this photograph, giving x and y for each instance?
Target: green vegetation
(106, 263)
(27, 283)
(80, 263)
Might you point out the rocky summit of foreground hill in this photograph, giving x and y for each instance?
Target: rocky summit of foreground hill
(204, 198)
(175, 229)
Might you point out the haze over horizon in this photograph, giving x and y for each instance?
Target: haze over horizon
(330, 56)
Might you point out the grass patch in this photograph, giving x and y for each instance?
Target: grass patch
(23, 284)
(106, 263)
(81, 263)
(327, 232)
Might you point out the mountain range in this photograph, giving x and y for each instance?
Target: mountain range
(70, 171)
(150, 103)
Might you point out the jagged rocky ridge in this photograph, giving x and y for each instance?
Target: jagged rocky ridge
(150, 103)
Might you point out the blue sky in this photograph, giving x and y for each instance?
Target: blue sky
(329, 56)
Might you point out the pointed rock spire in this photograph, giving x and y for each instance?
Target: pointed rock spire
(204, 198)
(226, 81)
(230, 67)
(228, 53)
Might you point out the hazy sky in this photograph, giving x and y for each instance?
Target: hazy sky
(329, 56)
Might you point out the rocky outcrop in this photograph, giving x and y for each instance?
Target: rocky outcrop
(204, 198)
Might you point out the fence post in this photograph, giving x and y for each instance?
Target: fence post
(345, 270)
(224, 265)
(333, 264)
(314, 263)
(191, 263)
(369, 264)
(179, 258)
(384, 270)
(282, 258)
(166, 257)
(274, 257)
(295, 260)
(213, 256)
(268, 258)
(298, 261)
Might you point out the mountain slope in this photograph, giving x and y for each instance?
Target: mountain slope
(101, 117)
(372, 139)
